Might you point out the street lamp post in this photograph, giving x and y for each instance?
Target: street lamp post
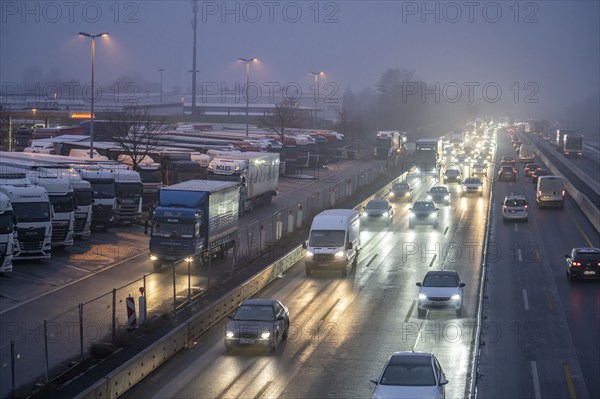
(316, 75)
(161, 70)
(93, 37)
(247, 61)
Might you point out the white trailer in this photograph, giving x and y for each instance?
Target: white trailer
(6, 234)
(257, 174)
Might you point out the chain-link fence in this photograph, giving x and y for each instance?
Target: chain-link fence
(94, 328)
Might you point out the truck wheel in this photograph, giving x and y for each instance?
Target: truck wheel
(156, 266)
(344, 271)
(308, 270)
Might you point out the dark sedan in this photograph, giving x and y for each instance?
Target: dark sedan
(401, 192)
(507, 173)
(423, 212)
(539, 172)
(258, 322)
(583, 263)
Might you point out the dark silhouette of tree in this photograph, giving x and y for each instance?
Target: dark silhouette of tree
(135, 132)
(285, 116)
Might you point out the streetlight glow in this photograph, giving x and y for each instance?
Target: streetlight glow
(247, 61)
(93, 37)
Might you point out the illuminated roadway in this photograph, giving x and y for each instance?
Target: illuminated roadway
(343, 330)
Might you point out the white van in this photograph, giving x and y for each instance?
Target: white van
(550, 191)
(334, 241)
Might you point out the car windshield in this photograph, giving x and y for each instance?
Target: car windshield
(438, 190)
(515, 202)
(377, 205)
(408, 374)
(327, 238)
(589, 256)
(452, 172)
(440, 280)
(400, 186)
(471, 180)
(255, 313)
(423, 206)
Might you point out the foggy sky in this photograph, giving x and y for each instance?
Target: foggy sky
(553, 46)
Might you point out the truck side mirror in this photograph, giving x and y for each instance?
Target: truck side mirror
(349, 246)
(304, 245)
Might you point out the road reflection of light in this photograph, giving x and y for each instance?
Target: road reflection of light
(463, 204)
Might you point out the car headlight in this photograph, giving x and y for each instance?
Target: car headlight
(309, 254)
(412, 215)
(407, 194)
(422, 297)
(431, 215)
(340, 254)
(265, 335)
(429, 197)
(229, 334)
(455, 297)
(479, 188)
(447, 197)
(153, 257)
(392, 194)
(386, 214)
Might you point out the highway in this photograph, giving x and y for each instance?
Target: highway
(344, 329)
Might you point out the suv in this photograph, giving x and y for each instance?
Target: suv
(583, 263)
(452, 176)
(515, 207)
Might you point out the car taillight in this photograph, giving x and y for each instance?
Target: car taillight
(576, 264)
(563, 193)
(539, 192)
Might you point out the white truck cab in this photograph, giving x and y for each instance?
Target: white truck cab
(334, 241)
(6, 234)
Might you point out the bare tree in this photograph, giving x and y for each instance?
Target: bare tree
(135, 132)
(286, 115)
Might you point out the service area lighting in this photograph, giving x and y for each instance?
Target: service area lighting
(247, 61)
(93, 37)
(316, 75)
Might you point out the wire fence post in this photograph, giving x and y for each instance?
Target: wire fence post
(46, 347)
(114, 314)
(174, 290)
(12, 364)
(146, 295)
(81, 330)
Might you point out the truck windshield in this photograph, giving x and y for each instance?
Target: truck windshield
(103, 190)
(62, 203)
(32, 212)
(128, 190)
(150, 176)
(173, 230)
(84, 198)
(327, 238)
(6, 226)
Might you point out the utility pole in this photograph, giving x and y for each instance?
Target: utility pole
(194, 27)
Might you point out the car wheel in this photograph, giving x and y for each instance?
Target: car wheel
(275, 343)
(308, 270)
(421, 313)
(287, 330)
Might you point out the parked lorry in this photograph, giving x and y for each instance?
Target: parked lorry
(388, 144)
(33, 215)
(104, 200)
(7, 230)
(128, 193)
(194, 219)
(572, 145)
(256, 174)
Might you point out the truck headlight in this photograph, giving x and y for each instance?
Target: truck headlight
(229, 334)
(309, 254)
(422, 297)
(153, 257)
(429, 197)
(412, 215)
(340, 254)
(265, 335)
(455, 297)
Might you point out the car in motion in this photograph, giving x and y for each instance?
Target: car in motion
(439, 290)
(472, 185)
(583, 263)
(439, 195)
(515, 207)
(258, 322)
(507, 173)
(402, 192)
(479, 168)
(379, 210)
(452, 175)
(530, 168)
(507, 160)
(423, 213)
(539, 172)
(415, 375)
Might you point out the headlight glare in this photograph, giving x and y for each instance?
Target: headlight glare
(455, 297)
(153, 257)
(340, 254)
(422, 297)
(265, 335)
(229, 334)
(309, 254)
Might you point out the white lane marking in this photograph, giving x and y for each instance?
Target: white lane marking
(516, 227)
(536, 380)
(525, 300)
(519, 255)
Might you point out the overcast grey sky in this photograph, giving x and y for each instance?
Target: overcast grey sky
(552, 45)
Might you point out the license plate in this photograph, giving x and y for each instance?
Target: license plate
(545, 196)
(246, 341)
(170, 257)
(589, 272)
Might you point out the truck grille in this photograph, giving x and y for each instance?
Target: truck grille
(31, 234)
(80, 223)
(31, 246)
(60, 230)
(324, 257)
(102, 212)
